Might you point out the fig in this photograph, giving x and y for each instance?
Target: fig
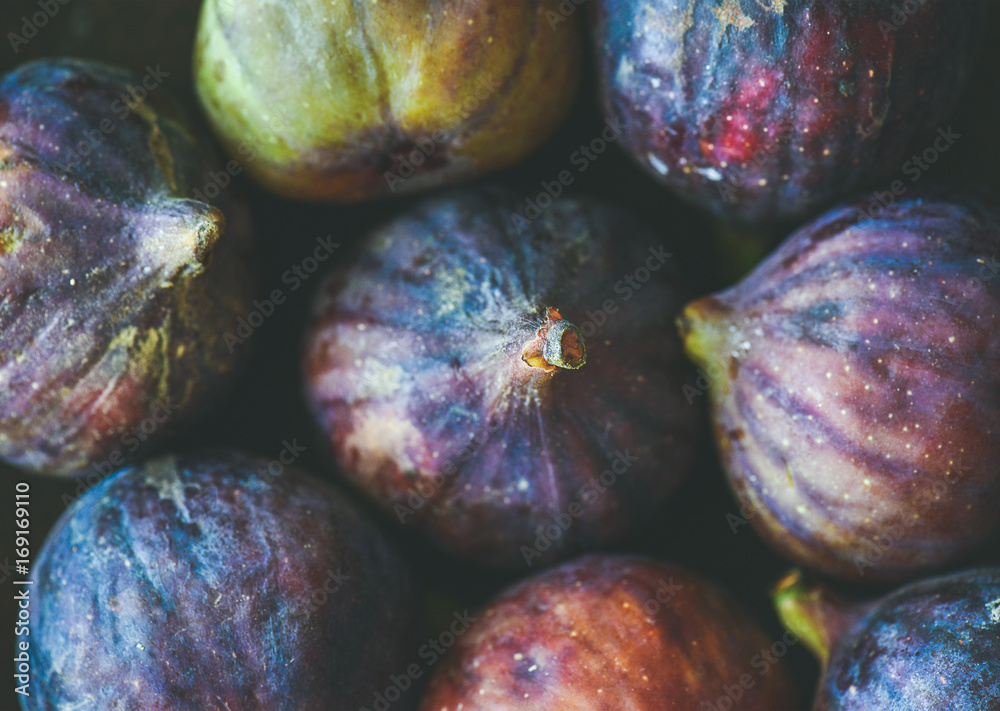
(933, 644)
(763, 110)
(216, 580)
(340, 101)
(115, 285)
(611, 632)
(513, 391)
(853, 378)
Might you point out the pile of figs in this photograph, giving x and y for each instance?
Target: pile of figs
(476, 355)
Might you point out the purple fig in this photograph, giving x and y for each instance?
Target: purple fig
(855, 386)
(517, 395)
(208, 581)
(765, 109)
(342, 101)
(115, 286)
(928, 646)
(604, 633)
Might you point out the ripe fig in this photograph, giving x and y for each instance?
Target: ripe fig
(341, 101)
(930, 645)
(208, 581)
(855, 383)
(603, 633)
(765, 109)
(115, 285)
(518, 396)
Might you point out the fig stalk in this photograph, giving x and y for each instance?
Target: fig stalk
(814, 614)
(557, 344)
(704, 330)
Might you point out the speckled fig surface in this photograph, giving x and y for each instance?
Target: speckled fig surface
(207, 581)
(928, 646)
(115, 285)
(766, 109)
(514, 390)
(340, 100)
(855, 387)
(604, 633)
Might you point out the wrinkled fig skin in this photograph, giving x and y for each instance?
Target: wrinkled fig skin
(205, 582)
(854, 386)
(605, 633)
(416, 369)
(340, 100)
(765, 109)
(931, 645)
(115, 287)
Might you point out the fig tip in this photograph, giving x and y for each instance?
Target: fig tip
(557, 344)
(704, 329)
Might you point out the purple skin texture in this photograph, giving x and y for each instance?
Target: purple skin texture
(854, 387)
(204, 581)
(416, 367)
(931, 645)
(606, 633)
(115, 285)
(765, 109)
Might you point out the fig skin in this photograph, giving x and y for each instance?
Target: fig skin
(934, 644)
(205, 581)
(342, 101)
(116, 287)
(416, 368)
(854, 387)
(603, 633)
(761, 110)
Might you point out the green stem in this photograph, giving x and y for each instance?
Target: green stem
(704, 329)
(814, 614)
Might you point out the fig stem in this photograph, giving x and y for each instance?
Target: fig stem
(814, 614)
(704, 331)
(557, 344)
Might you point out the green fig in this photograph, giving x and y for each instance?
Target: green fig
(342, 101)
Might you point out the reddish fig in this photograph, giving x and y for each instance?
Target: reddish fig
(855, 383)
(115, 286)
(207, 581)
(604, 633)
(929, 646)
(516, 394)
(765, 109)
